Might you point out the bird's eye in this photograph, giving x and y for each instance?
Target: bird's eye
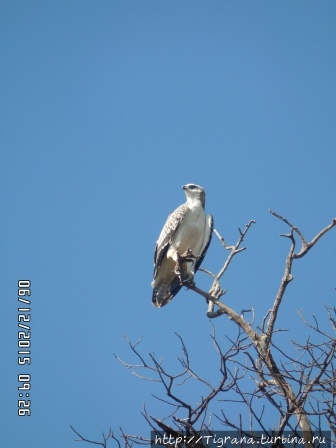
(192, 187)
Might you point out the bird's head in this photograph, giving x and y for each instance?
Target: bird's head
(195, 194)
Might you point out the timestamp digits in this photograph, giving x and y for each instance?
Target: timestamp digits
(24, 345)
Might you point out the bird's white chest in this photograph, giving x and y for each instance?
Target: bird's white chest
(190, 234)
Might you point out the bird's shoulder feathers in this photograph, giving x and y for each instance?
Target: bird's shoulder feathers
(172, 224)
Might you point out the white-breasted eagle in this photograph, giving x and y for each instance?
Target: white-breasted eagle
(188, 231)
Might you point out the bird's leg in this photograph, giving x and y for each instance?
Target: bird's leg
(178, 266)
(181, 266)
(188, 255)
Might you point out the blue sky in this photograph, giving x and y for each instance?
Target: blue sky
(107, 109)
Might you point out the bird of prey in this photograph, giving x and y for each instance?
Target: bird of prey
(181, 246)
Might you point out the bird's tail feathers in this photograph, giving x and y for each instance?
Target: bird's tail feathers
(162, 294)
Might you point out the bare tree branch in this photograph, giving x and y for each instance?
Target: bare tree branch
(105, 438)
(253, 372)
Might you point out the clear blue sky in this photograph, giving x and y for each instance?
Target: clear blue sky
(107, 109)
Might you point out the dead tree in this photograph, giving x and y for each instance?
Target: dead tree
(254, 372)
